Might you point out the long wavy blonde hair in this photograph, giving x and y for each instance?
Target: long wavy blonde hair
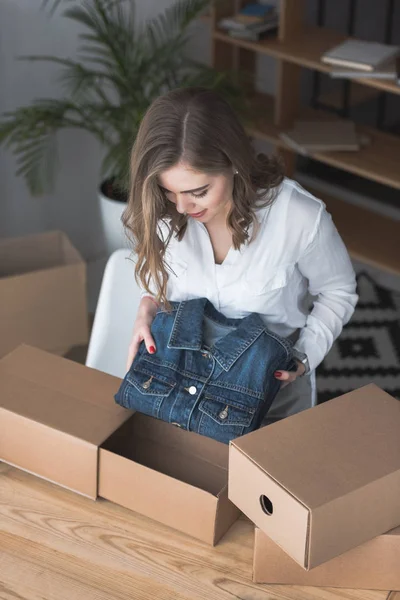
(198, 127)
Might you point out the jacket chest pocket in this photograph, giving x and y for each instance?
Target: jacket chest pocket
(145, 391)
(223, 420)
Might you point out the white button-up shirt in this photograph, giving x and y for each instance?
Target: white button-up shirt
(296, 256)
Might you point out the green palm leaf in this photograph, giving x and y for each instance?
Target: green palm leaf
(121, 68)
(175, 19)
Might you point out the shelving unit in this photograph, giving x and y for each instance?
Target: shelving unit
(304, 49)
(370, 238)
(378, 160)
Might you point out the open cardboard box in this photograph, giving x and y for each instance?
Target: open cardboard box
(329, 477)
(42, 292)
(325, 480)
(59, 420)
(374, 565)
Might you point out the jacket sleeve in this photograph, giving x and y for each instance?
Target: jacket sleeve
(331, 280)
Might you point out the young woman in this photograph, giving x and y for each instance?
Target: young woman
(211, 219)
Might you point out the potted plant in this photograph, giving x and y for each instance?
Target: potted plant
(121, 68)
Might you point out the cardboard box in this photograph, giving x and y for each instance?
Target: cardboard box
(374, 565)
(325, 480)
(59, 420)
(43, 293)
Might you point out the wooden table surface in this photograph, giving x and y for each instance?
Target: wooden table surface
(57, 545)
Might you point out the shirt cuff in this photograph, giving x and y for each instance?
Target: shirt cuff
(308, 345)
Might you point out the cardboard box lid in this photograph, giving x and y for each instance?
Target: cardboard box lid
(374, 565)
(54, 415)
(337, 451)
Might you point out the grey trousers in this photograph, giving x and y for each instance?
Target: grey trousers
(292, 399)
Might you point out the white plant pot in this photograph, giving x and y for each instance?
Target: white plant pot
(111, 213)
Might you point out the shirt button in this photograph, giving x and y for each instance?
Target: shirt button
(192, 390)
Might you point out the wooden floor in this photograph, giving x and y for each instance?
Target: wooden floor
(57, 545)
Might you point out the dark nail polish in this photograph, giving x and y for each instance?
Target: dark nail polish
(152, 349)
(278, 373)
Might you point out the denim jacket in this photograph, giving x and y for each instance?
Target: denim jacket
(222, 391)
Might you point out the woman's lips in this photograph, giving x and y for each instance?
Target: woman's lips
(199, 214)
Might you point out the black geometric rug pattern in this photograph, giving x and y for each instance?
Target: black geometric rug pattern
(368, 349)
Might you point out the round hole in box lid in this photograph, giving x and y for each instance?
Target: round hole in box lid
(266, 505)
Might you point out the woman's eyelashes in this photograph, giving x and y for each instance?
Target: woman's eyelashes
(201, 195)
(168, 194)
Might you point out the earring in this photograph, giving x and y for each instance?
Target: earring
(235, 172)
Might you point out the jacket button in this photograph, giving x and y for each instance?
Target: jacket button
(176, 424)
(192, 390)
(223, 414)
(147, 383)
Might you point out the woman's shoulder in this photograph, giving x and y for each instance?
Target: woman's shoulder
(299, 199)
(296, 203)
(294, 211)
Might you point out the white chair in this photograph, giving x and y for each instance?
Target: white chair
(115, 314)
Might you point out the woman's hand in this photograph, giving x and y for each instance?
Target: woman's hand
(287, 377)
(141, 330)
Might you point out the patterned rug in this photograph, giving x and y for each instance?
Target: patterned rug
(368, 349)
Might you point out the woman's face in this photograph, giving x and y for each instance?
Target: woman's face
(203, 197)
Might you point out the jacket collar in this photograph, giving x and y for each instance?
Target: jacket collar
(187, 331)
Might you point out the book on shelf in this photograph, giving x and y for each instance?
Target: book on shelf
(255, 34)
(256, 9)
(362, 55)
(321, 136)
(250, 16)
(391, 71)
(234, 23)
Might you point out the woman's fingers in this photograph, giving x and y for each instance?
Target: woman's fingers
(135, 343)
(149, 343)
(287, 377)
(284, 375)
(132, 351)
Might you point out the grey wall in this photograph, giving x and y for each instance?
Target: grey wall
(24, 29)
(72, 207)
